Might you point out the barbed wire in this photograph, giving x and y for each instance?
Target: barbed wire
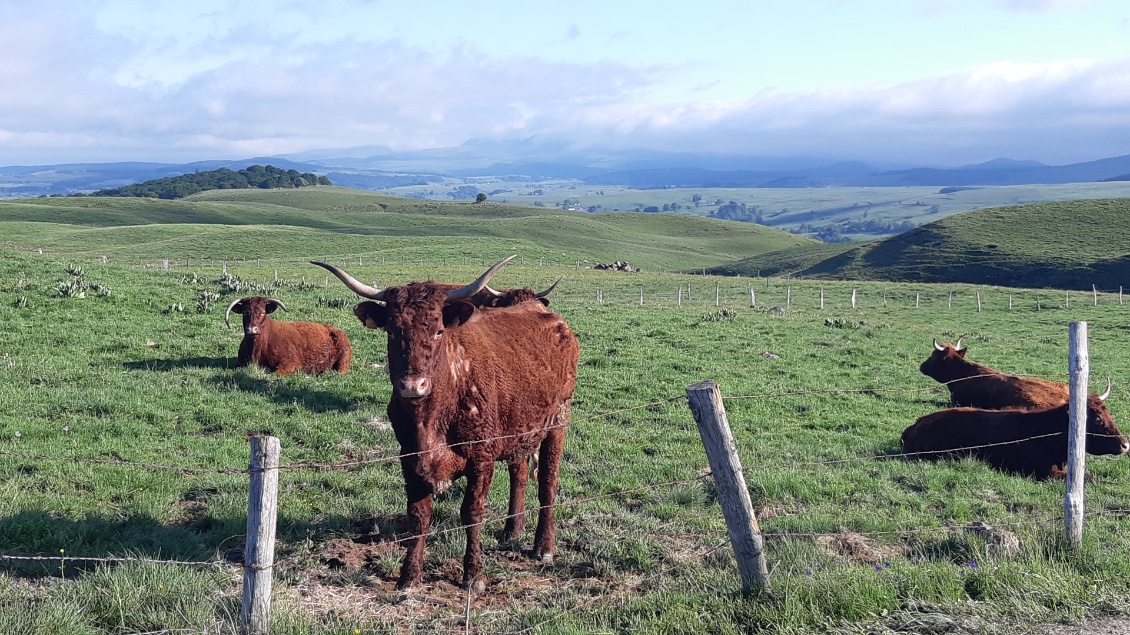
(119, 560)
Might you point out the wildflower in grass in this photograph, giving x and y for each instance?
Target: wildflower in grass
(972, 565)
(808, 573)
(878, 567)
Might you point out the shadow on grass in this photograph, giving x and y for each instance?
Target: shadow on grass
(285, 394)
(165, 365)
(36, 533)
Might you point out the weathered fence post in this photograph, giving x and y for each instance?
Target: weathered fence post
(1010, 302)
(1095, 292)
(788, 297)
(717, 294)
(1079, 366)
(949, 303)
(1067, 299)
(705, 401)
(680, 296)
(1120, 294)
(165, 264)
(821, 298)
(259, 554)
(978, 301)
(853, 298)
(916, 300)
(752, 299)
(641, 296)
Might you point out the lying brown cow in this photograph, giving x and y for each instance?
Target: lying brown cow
(284, 347)
(1028, 442)
(471, 386)
(978, 386)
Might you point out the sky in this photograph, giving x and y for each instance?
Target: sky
(924, 82)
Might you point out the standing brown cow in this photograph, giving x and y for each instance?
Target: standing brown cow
(471, 386)
(978, 386)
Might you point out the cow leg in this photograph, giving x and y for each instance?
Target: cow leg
(516, 515)
(550, 458)
(419, 520)
(479, 476)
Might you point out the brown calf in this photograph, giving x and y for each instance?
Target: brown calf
(284, 347)
(1028, 442)
(971, 384)
(471, 386)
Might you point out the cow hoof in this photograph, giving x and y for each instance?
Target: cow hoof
(478, 586)
(546, 558)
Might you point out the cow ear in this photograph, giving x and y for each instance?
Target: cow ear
(238, 306)
(371, 314)
(960, 352)
(457, 313)
(544, 301)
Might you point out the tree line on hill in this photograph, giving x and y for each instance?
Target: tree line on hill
(254, 176)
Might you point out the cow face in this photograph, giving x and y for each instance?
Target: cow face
(1103, 437)
(254, 310)
(940, 364)
(416, 319)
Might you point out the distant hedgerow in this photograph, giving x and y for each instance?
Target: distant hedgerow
(255, 176)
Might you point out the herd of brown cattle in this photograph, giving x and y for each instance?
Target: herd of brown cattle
(481, 376)
(1015, 424)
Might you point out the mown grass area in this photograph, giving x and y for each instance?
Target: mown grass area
(141, 372)
(1051, 245)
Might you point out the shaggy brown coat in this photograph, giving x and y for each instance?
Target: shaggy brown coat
(471, 386)
(285, 347)
(973, 385)
(1028, 442)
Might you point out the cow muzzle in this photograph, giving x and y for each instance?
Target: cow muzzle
(413, 387)
(1124, 447)
(251, 330)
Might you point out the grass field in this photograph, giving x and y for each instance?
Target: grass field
(139, 370)
(789, 208)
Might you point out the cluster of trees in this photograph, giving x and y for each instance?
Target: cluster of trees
(255, 176)
(836, 233)
(738, 211)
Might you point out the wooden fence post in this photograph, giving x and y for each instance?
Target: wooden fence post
(717, 294)
(705, 401)
(1079, 366)
(259, 554)
(978, 301)
(949, 303)
(680, 296)
(641, 296)
(788, 297)
(1095, 292)
(752, 299)
(853, 298)
(917, 298)
(1067, 299)
(821, 298)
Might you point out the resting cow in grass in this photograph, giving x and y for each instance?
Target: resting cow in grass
(1028, 442)
(471, 386)
(978, 386)
(285, 347)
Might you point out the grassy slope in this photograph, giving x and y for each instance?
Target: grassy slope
(276, 224)
(125, 376)
(1051, 245)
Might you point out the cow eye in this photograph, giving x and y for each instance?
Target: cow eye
(438, 334)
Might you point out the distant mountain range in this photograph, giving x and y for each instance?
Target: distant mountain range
(376, 168)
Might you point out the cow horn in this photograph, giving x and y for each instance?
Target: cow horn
(550, 289)
(228, 314)
(355, 285)
(1106, 394)
(278, 302)
(463, 293)
(496, 293)
(957, 346)
(937, 346)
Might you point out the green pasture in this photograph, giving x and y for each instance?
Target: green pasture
(139, 370)
(788, 208)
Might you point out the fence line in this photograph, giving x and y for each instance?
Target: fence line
(566, 503)
(396, 457)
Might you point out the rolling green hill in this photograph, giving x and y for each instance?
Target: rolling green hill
(328, 221)
(1065, 245)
